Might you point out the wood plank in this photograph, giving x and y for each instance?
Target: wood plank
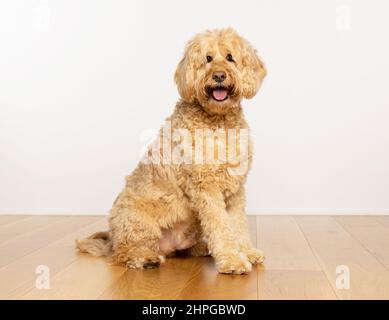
(384, 220)
(165, 282)
(335, 247)
(182, 278)
(40, 237)
(18, 277)
(294, 285)
(370, 233)
(25, 226)
(291, 270)
(85, 278)
(6, 219)
(206, 283)
(284, 244)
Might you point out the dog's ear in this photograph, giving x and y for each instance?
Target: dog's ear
(184, 77)
(254, 70)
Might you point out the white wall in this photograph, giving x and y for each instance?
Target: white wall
(80, 81)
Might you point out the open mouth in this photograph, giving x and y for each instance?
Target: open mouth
(219, 93)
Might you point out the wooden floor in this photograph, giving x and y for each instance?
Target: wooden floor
(302, 257)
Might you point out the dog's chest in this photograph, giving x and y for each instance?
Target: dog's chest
(225, 166)
(220, 151)
(213, 177)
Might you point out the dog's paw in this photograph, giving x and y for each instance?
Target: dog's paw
(233, 264)
(255, 256)
(151, 262)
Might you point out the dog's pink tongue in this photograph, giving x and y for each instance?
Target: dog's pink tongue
(220, 94)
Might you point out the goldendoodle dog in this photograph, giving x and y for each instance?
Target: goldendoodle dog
(178, 199)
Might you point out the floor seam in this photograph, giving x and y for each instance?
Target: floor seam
(318, 260)
(362, 245)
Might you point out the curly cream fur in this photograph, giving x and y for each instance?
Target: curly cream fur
(196, 209)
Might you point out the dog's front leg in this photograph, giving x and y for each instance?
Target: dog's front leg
(219, 233)
(236, 211)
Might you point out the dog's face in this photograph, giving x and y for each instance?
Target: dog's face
(218, 69)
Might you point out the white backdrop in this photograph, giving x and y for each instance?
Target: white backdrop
(81, 80)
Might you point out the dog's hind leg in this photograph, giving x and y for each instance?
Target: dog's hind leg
(137, 255)
(135, 239)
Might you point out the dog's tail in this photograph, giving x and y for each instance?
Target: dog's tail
(98, 244)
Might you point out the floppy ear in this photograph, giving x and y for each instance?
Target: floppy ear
(184, 78)
(254, 71)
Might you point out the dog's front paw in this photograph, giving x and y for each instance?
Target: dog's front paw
(233, 264)
(255, 255)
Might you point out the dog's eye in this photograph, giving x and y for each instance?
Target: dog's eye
(230, 57)
(209, 58)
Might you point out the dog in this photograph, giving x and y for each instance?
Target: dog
(186, 207)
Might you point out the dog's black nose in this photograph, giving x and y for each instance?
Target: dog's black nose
(219, 76)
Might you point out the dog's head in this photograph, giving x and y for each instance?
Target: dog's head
(218, 69)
